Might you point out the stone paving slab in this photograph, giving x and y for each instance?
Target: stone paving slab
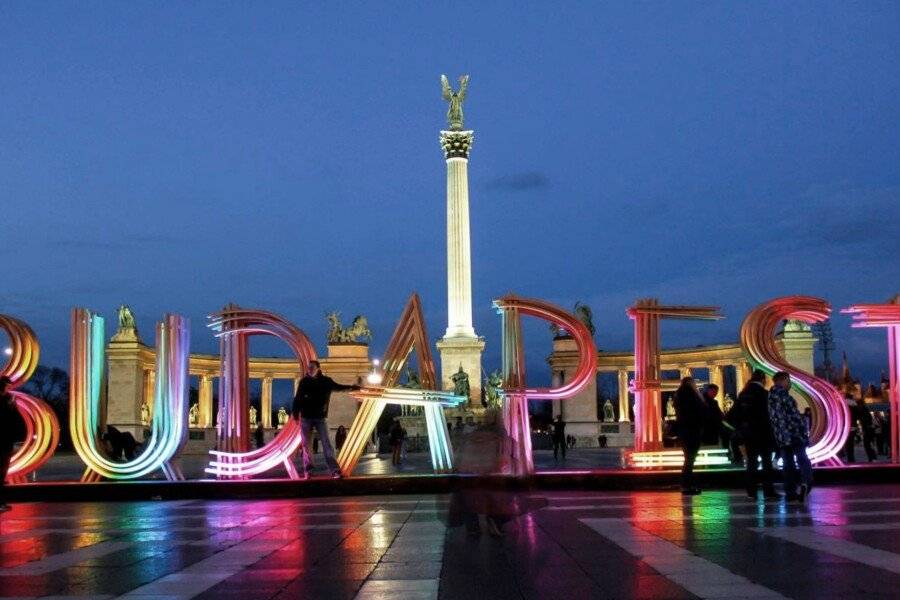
(843, 543)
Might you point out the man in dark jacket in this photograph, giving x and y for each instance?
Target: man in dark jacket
(690, 414)
(311, 409)
(751, 420)
(8, 433)
(559, 437)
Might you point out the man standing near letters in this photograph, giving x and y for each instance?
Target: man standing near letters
(311, 408)
(751, 420)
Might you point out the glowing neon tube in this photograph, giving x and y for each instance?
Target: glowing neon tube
(887, 316)
(646, 314)
(830, 414)
(170, 414)
(232, 460)
(514, 390)
(675, 458)
(41, 424)
(409, 335)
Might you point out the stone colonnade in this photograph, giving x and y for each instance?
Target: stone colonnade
(581, 415)
(132, 376)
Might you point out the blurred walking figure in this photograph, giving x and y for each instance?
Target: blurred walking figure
(754, 428)
(690, 415)
(8, 417)
(559, 437)
(850, 446)
(311, 407)
(868, 429)
(396, 438)
(792, 437)
(340, 436)
(487, 450)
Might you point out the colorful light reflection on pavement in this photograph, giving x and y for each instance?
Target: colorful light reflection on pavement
(582, 545)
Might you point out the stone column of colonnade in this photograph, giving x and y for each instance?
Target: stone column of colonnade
(742, 374)
(717, 378)
(624, 401)
(205, 401)
(149, 389)
(265, 402)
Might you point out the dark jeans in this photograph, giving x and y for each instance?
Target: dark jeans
(850, 447)
(557, 444)
(320, 425)
(759, 454)
(690, 447)
(797, 468)
(868, 438)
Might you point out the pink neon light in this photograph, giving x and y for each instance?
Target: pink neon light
(41, 436)
(888, 316)
(587, 351)
(646, 314)
(515, 392)
(234, 326)
(830, 415)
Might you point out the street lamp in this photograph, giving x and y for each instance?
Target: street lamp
(375, 377)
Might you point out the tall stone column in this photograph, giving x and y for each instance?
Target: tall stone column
(624, 402)
(265, 402)
(206, 401)
(460, 346)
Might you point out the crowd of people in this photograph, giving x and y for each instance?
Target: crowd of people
(764, 423)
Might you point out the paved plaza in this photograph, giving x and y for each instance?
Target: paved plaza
(842, 544)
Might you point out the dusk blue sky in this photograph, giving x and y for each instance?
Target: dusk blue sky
(180, 156)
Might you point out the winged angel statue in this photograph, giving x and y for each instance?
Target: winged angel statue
(455, 112)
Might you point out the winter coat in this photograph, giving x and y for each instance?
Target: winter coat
(750, 416)
(712, 427)
(313, 395)
(690, 414)
(788, 425)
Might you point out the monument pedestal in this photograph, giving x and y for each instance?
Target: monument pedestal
(618, 434)
(125, 386)
(347, 363)
(462, 352)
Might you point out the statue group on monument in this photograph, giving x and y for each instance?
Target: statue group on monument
(338, 334)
